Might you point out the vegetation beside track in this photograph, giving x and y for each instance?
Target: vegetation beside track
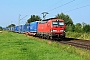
(15, 46)
(77, 35)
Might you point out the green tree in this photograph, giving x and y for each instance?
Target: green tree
(1, 28)
(11, 25)
(78, 27)
(66, 18)
(33, 18)
(70, 28)
(83, 24)
(86, 28)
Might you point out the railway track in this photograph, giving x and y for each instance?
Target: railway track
(85, 44)
(78, 43)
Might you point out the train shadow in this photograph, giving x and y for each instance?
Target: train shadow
(61, 39)
(69, 39)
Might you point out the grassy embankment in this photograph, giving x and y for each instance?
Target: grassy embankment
(78, 35)
(15, 46)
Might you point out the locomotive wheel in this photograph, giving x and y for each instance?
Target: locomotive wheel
(48, 37)
(51, 37)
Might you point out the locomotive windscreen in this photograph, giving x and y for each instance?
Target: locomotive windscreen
(58, 23)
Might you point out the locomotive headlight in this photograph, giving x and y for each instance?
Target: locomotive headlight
(61, 30)
(53, 30)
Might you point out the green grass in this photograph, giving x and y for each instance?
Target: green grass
(78, 35)
(15, 46)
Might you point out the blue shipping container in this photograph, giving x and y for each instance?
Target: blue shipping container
(23, 28)
(16, 29)
(20, 28)
(33, 26)
(28, 27)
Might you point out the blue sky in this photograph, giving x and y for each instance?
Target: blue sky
(10, 10)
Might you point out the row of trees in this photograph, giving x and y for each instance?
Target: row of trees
(33, 18)
(79, 27)
(1, 28)
(11, 25)
(70, 26)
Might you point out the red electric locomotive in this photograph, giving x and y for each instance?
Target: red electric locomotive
(51, 28)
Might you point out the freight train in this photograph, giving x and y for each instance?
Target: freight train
(50, 28)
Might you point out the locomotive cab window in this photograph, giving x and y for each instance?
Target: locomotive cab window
(61, 23)
(58, 23)
(55, 23)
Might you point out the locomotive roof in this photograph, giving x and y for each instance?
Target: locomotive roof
(42, 22)
(49, 19)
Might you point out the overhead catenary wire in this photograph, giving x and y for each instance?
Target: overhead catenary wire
(44, 13)
(55, 3)
(77, 8)
(78, 4)
(71, 9)
(81, 2)
(61, 5)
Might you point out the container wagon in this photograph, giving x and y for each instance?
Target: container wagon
(17, 29)
(33, 28)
